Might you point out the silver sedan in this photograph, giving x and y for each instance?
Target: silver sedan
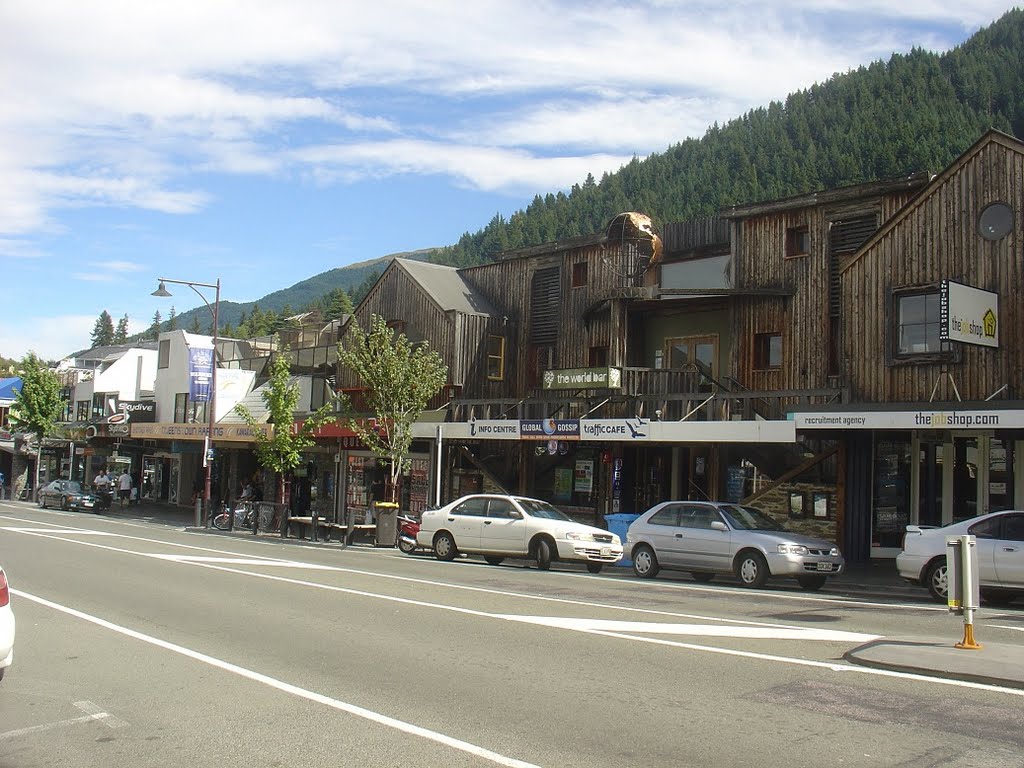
(707, 538)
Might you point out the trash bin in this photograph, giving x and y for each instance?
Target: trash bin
(386, 515)
(619, 524)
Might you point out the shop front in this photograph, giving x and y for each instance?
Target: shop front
(929, 467)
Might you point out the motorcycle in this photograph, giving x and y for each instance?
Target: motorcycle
(104, 498)
(408, 527)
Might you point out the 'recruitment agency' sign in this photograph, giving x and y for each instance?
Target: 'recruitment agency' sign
(582, 378)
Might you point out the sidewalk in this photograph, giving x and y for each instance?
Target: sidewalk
(1000, 664)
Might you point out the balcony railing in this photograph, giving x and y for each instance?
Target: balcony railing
(666, 394)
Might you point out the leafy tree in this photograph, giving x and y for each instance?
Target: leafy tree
(154, 329)
(37, 405)
(103, 330)
(401, 379)
(282, 452)
(121, 334)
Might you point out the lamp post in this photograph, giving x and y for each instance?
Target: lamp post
(211, 403)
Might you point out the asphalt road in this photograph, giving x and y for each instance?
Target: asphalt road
(147, 645)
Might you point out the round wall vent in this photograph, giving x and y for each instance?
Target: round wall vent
(995, 221)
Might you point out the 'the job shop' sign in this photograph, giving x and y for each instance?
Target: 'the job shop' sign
(968, 315)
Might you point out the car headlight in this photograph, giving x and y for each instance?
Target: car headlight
(834, 551)
(577, 536)
(792, 549)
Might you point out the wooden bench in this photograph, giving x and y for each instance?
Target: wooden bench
(324, 529)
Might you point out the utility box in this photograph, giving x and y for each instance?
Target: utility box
(385, 514)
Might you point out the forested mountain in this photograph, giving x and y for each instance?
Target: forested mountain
(915, 112)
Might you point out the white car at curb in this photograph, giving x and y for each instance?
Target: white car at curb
(6, 626)
(499, 526)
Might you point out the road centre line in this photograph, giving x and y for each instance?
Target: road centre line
(259, 561)
(317, 698)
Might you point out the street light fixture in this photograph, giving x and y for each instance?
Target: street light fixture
(211, 403)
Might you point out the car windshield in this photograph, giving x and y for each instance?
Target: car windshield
(536, 508)
(750, 519)
(72, 486)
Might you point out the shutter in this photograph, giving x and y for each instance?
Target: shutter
(845, 237)
(545, 290)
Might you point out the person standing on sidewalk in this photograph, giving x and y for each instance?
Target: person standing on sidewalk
(124, 487)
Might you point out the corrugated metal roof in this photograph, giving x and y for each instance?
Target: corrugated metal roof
(446, 286)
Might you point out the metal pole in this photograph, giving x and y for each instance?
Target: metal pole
(212, 405)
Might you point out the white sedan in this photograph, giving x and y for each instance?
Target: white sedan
(999, 543)
(498, 526)
(6, 626)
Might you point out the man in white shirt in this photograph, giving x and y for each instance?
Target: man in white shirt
(102, 480)
(124, 487)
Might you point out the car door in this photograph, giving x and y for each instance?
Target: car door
(465, 521)
(661, 531)
(702, 546)
(503, 529)
(1008, 552)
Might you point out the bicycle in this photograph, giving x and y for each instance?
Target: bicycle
(243, 517)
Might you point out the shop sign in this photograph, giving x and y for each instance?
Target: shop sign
(968, 315)
(582, 378)
(175, 431)
(133, 410)
(925, 419)
(547, 429)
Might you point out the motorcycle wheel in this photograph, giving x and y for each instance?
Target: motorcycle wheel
(406, 546)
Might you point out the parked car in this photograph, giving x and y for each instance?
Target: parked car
(999, 543)
(498, 526)
(6, 626)
(61, 493)
(708, 538)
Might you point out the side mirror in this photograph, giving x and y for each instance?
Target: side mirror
(718, 525)
(515, 514)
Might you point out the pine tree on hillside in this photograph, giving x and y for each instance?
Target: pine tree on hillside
(121, 334)
(103, 330)
(154, 329)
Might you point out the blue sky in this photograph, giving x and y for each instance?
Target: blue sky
(264, 142)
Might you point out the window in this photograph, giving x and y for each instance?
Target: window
(98, 413)
(501, 508)
(668, 516)
(163, 359)
(699, 517)
(82, 413)
(398, 326)
(579, 274)
(798, 241)
(796, 505)
(188, 411)
(917, 324)
(496, 358)
(767, 351)
(475, 507)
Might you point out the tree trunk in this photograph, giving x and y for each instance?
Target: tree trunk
(39, 462)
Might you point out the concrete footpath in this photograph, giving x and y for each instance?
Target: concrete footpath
(999, 664)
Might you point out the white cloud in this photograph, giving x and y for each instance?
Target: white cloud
(51, 338)
(115, 104)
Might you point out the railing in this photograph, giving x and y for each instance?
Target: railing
(667, 394)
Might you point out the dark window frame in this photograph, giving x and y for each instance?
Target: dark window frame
(163, 355)
(495, 357)
(763, 351)
(798, 241)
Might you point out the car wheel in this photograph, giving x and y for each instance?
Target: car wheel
(494, 559)
(702, 576)
(543, 554)
(811, 583)
(444, 546)
(752, 569)
(64, 503)
(936, 580)
(42, 501)
(594, 567)
(645, 562)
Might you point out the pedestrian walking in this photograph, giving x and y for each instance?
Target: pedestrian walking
(124, 487)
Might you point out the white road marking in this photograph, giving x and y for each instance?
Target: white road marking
(93, 714)
(702, 630)
(64, 531)
(1003, 626)
(318, 698)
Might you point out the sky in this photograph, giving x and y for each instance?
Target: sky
(260, 143)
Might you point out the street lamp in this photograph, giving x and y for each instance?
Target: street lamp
(211, 403)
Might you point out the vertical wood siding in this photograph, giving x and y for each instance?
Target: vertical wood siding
(939, 239)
